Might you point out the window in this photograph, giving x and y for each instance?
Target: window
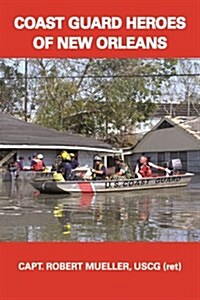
(164, 125)
(161, 158)
(183, 157)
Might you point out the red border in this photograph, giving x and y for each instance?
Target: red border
(15, 284)
(18, 43)
(140, 285)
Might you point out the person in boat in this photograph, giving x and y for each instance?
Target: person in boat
(56, 163)
(74, 161)
(32, 160)
(12, 168)
(65, 166)
(38, 163)
(122, 170)
(143, 168)
(99, 170)
(20, 163)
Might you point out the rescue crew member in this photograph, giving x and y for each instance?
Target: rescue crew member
(32, 160)
(99, 170)
(74, 161)
(38, 163)
(65, 166)
(57, 176)
(20, 163)
(122, 170)
(143, 168)
(56, 163)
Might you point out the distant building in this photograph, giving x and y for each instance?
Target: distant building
(171, 138)
(173, 109)
(19, 138)
(177, 109)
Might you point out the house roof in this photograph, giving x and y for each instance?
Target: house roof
(15, 132)
(190, 124)
(177, 134)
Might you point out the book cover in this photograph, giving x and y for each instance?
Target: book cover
(99, 149)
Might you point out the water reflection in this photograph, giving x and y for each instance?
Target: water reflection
(162, 215)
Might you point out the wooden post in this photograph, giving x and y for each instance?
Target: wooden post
(7, 157)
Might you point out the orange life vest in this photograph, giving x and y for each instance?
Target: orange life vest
(145, 171)
(38, 166)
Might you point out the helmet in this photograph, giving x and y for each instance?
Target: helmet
(40, 156)
(97, 158)
(65, 155)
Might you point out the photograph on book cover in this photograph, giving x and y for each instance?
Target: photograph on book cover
(100, 148)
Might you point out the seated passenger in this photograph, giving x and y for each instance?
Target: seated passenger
(122, 170)
(20, 163)
(32, 160)
(143, 168)
(74, 161)
(38, 163)
(99, 170)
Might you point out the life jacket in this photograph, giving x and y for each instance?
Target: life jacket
(98, 167)
(126, 169)
(38, 166)
(145, 171)
(99, 176)
(58, 177)
(128, 172)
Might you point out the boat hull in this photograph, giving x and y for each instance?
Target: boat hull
(27, 176)
(106, 186)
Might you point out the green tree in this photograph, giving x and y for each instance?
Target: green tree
(11, 88)
(97, 97)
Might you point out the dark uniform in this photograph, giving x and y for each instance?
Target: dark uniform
(98, 166)
(102, 176)
(65, 166)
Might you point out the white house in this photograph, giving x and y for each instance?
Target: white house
(19, 138)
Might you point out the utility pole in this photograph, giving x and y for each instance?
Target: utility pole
(188, 104)
(26, 90)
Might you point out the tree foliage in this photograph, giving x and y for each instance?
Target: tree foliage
(184, 89)
(11, 87)
(104, 98)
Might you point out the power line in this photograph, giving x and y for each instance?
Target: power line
(103, 76)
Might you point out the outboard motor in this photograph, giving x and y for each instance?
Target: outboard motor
(175, 165)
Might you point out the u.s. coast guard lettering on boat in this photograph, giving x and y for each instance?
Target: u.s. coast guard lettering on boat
(125, 183)
(140, 182)
(167, 179)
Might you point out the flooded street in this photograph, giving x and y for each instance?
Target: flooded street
(154, 215)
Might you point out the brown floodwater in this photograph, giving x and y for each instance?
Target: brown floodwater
(155, 215)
